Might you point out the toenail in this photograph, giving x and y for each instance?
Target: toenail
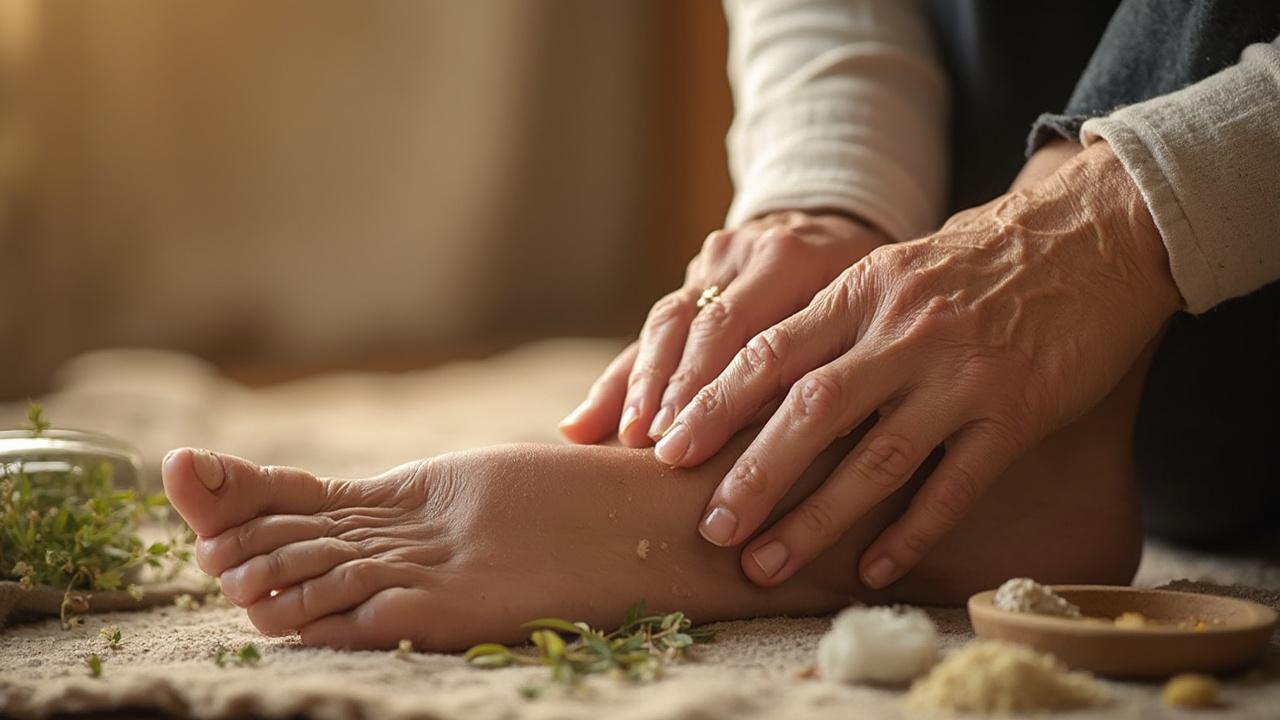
(771, 557)
(661, 422)
(629, 417)
(718, 526)
(880, 572)
(672, 447)
(208, 468)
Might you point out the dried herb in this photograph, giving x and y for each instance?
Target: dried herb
(635, 651)
(69, 527)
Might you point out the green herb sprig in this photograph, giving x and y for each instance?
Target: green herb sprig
(246, 656)
(71, 528)
(111, 636)
(635, 651)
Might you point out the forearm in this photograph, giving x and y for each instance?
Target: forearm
(840, 105)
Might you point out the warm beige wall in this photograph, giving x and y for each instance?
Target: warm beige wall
(302, 180)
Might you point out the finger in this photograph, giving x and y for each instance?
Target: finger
(261, 535)
(881, 463)
(661, 340)
(597, 417)
(338, 590)
(971, 463)
(284, 567)
(763, 370)
(716, 334)
(827, 403)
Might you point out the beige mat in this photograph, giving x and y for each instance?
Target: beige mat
(354, 424)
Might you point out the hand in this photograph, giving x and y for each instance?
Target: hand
(765, 269)
(1013, 319)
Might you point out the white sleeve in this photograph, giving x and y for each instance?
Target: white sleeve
(1207, 161)
(839, 104)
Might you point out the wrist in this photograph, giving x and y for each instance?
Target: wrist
(1108, 196)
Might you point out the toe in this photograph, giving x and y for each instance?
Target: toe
(380, 623)
(284, 567)
(338, 590)
(237, 545)
(214, 492)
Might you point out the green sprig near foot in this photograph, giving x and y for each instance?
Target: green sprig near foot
(635, 651)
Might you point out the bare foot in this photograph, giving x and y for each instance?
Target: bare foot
(463, 548)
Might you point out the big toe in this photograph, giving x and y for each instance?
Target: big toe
(214, 492)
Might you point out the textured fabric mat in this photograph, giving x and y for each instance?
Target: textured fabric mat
(355, 424)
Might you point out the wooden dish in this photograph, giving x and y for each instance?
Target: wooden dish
(1236, 631)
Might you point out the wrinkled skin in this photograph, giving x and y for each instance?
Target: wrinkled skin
(766, 269)
(1011, 321)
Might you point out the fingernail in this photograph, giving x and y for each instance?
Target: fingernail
(880, 572)
(661, 422)
(718, 526)
(208, 469)
(573, 417)
(672, 447)
(629, 417)
(771, 557)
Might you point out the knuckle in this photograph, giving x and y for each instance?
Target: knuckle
(782, 242)
(274, 565)
(816, 518)
(887, 460)
(683, 378)
(708, 401)
(817, 397)
(242, 538)
(747, 479)
(764, 352)
(717, 242)
(670, 309)
(643, 372)
(715, 318)
(843, 294)
(951, 501)
(916, 542)
(358, 572)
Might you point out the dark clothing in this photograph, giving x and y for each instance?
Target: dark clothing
(1206, 449)
(1155, 47)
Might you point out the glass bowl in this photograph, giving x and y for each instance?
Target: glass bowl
(59, 450)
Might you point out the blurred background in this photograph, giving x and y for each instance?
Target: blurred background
(293, 186)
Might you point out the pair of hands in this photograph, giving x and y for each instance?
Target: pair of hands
(1012, 320)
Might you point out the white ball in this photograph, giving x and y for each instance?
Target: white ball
(878, 645)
